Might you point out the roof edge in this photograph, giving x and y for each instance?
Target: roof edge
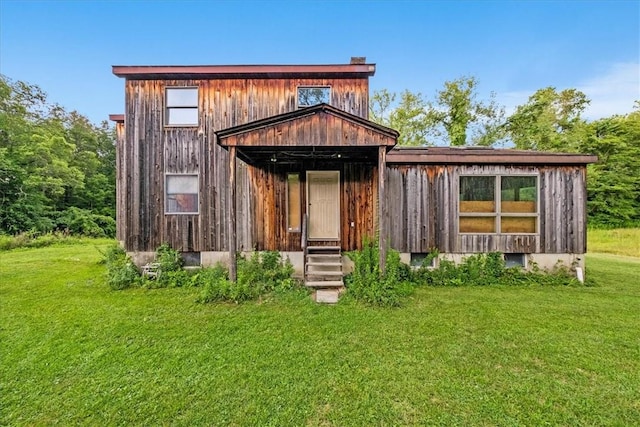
(142, 71)
(482, 155)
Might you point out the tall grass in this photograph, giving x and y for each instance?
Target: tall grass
(621, 241)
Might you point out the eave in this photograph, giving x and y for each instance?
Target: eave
(160, 72)
(481, 155)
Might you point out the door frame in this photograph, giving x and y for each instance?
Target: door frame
(329, 173)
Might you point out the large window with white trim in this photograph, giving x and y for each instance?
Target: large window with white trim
(181, 194)
(181, 106)
(500, 204)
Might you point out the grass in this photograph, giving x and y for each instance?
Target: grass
(622, 241)
(75, 352)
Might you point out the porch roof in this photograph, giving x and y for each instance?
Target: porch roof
(318, 132)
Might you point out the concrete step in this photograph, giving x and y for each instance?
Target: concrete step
(324, 284)
(324, 273)
(327, 296)
(324, 264)
(323, 248)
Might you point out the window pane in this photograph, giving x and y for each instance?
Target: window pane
(519, 188)
(293, 199)
(518, 224)
(469, 224)
(182, 116)
(182, 194)
(182, 97)
(477, 194)
(308, 96)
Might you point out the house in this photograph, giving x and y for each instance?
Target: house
(220, 159)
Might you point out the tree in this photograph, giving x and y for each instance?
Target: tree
(462, 119)
(549, 121)
(614, 186)
(50, 162)
(409, 116)
(455, 117)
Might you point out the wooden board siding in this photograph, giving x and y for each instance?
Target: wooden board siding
(149, 150)
(121, 184)
(358, 192)
(317, 130)
(423, 210)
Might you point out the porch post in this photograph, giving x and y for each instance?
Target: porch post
(233, 263)
(382, 207)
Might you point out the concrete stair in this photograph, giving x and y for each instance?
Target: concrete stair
(323, 272)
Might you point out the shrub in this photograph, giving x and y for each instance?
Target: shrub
(367, 284)
(486, 269)
(84, 222)
(121, 271)
(262, 273)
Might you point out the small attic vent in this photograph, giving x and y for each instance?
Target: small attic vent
(358, 60)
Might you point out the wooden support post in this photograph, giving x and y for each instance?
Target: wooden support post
(233, 263)
(382, 207)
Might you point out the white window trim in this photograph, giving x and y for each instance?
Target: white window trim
(298, 106)
(167, 107)
(166, 178)
(498, 202)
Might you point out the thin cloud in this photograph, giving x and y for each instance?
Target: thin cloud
(614, 92)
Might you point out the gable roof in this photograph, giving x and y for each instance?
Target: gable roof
(318, 132)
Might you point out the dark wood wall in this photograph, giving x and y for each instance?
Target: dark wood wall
(423, 210)
(358, 189)
(149, 150)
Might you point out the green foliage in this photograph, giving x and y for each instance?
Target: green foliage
(121, 271)
(169, 272)
(549, 121)
(454, 117)
(52, 162)
(366, 283)
(36, 240)
(487, 269)
(262, 273)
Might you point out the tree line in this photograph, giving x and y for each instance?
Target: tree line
(550, 120)
(57, 169)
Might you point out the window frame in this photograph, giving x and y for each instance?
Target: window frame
(299, 106)
(168, 107)
(498, 215)
(167, 176)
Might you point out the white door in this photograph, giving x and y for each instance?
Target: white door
(323, 198)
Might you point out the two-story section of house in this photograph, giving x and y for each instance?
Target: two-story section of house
(215, 160)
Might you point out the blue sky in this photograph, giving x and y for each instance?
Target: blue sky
(512, 47)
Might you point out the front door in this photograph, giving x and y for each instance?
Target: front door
(323, 196)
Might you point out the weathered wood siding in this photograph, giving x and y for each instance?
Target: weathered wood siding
(423, 210)
(318, 130)
(121, 184)
(358, 190)
(150, 150)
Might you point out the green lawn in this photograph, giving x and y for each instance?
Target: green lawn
(622, 241)
(74, 352)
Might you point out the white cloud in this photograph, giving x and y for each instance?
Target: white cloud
(614, 92)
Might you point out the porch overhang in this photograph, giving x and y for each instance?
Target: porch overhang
(321, 132)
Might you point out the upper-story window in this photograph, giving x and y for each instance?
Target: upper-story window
(498, 204)
(181, 106)
(313, 95)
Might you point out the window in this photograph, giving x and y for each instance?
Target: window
(181, 194)
(313, 95)
(498, 204)
(182, 106)
(293, 202)
(515, 260)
